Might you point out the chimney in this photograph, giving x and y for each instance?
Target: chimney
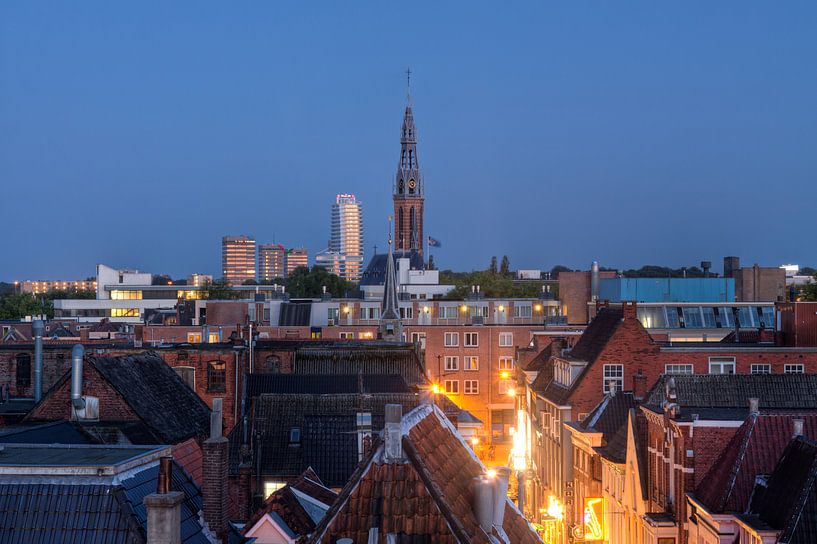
(798, 427)
(754, 405)
(77, 356)
(500, 494)
(629, 309)
(37, 328)
(393, 433)
(214, 475)
(164, 508)
(364, 434)
(594, 281)
(484, 503)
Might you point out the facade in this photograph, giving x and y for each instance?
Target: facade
(271, 262)
(297, 257)
(408, 191)
(237, 259)
(38, 287)
(346, 239)
(199, 280)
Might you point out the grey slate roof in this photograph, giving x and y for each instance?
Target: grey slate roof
(726, 396)
(375, 273)
(376, 358)
(258, 384)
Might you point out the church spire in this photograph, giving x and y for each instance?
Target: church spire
(408, 186)
(389, 309)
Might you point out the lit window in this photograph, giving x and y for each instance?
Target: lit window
(125, 295)
(506, 339)
(793, 369)
(471, 339)
(721, 365)
(613, 376)
(522, 310)
(761, 369)
(216, 377)
(471, 387)
(506, 363)
(504, 386)
(678, 369)
(272, 487)
(471, 362)
(452, 387)
(124, 312)
(452, 339)
(214, 338)
(347, 336)
(194, 337)
(452, 363)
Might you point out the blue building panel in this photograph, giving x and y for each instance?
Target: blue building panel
(667, 289)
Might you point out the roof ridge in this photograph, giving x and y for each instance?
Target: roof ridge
(733, 473)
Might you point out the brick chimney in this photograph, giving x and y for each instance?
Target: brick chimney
(214, 475)
(639, 385)
(164, 508)
(629, 309)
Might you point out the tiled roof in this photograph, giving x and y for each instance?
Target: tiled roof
(427, 498)
(788, 500)
(597, 334)
(540, 361)
(104, 513)
(610, 417)
(727, 396)
(188, 455)
(378, 358)
(755, 449)
(258, 384)
(289, 505)
(58, 432)
(327, 423)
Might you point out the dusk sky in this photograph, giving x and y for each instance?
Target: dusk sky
(137, 134)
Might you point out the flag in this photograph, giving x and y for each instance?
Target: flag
(433, 243)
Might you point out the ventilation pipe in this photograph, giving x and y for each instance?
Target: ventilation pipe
(754, 405)
(77, 356)
(798, 427)
(484, 503)
(37, 329)
(503, 474)
(594, 281)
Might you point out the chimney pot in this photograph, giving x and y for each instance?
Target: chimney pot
(754, 405)
(503, 474)
(215, 419)
(798, 427)
(393, 433)
(484, 503)
(164, 483)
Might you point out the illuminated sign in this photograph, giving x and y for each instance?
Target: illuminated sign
(594, 519)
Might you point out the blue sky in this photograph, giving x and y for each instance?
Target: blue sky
(137, 134)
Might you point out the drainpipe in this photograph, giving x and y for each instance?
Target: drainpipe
(77, 356)
(37, 328)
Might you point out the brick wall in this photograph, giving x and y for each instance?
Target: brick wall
(214, 487)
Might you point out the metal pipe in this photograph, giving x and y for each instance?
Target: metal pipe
(594, 281)
(37, 328)
(77, 356)
(164, 483)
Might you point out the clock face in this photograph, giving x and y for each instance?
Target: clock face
(412, 184)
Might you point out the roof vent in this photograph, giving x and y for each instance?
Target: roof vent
(754, 405)
(798, 427)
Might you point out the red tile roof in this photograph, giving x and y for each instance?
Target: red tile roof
(429, 495)
(755, 449)
(188, 455)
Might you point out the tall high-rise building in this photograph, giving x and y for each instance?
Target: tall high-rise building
(271, 259)
(237, 259)
(346, 243)
(296, 258)
(408, 191)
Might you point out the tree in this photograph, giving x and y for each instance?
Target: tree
(17, 306)
(492, 269)
(306, 283)
(219, 290)
(809, 291)
(554, 272)
(249, 282)
(505, 267)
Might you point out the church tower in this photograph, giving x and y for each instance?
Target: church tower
(408, 193)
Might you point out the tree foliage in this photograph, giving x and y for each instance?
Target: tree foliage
(809, 291)
(492, 267)
(306, 283)
(505, 267)
(19, 305)
(490, 285)
(219, 290)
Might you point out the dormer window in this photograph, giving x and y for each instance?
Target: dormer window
(295, 436)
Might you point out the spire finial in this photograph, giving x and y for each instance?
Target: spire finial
(408, 85)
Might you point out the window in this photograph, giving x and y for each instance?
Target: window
(506, 339)
(767, 317)
(272, 487)
(194, 337)
(347, 336)
(727, 318)
(673, 322)
(478, 311)
(471, 387)
(652, 318)
(506, 363)
(188, 375)
(522, 310)
(678, 369)
(23, 370)
(471, 339)
(452, 387)
(709, 317)
(124, 312)
(419, 338)
(613, 375)
(761, 369)
(370, 313)
(405, 313)
(745, 316)
(793, 369)
(273, 364)
(452, 363)
(126, 295)
(333, 314)
(721, 365)
(216, 376)
(448, 312)
(504, 386)
(367, 335)
(692, 318)
(501, 423)
(294, 436)
(214, 338)
(452, 339)
(471, 362)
